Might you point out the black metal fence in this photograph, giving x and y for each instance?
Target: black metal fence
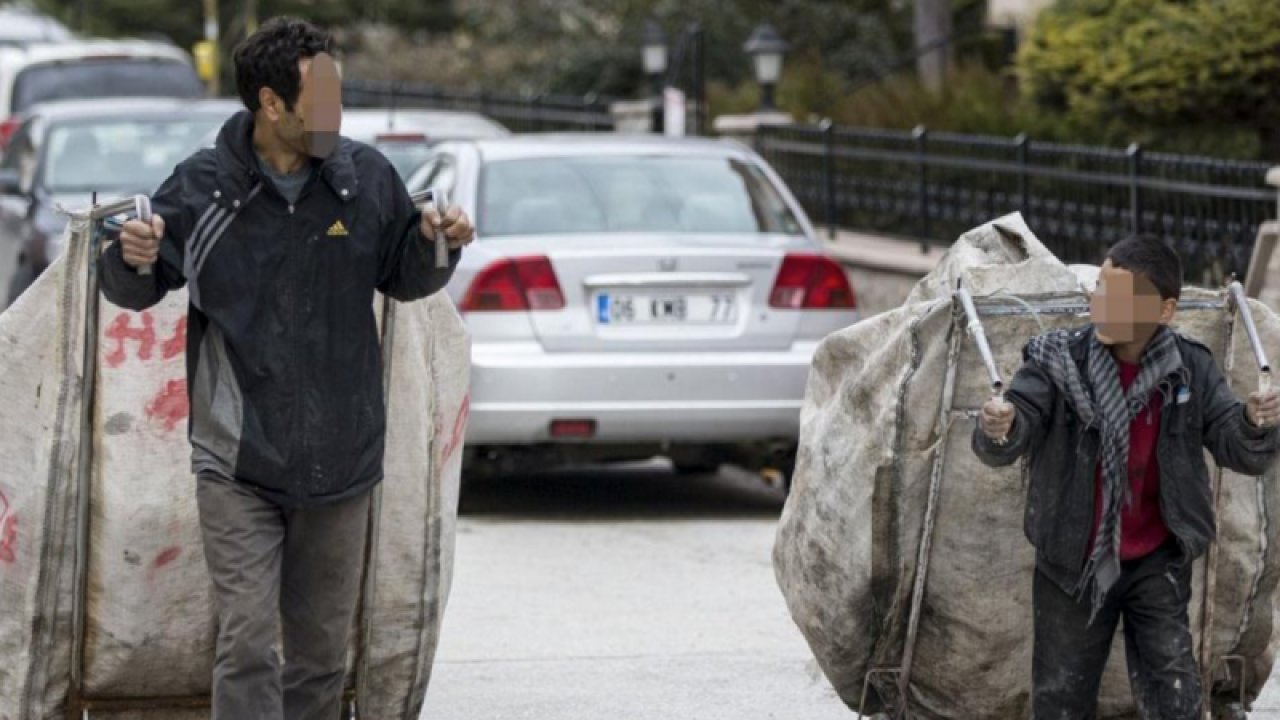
(933, 186)
(520, 113)
(1079, 200)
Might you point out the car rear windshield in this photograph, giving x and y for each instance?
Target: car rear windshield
(405, 156)
(632, 193)
(123, 77)
(121, 154)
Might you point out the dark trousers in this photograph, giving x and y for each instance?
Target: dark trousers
(1070, 654)
(287, 577)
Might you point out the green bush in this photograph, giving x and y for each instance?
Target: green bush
(1190, 70)
(979, 101)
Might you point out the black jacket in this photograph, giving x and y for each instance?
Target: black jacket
(1064, 461)
(283, 357)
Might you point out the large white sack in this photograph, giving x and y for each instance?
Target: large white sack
(847, 546)
(149, 630)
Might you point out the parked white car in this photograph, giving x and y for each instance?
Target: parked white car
(21, 26)
(406, 136)
(633, 296)
(66, 151)
(87, 70)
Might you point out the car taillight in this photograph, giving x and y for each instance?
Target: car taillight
(7, 129)
(515, 284)
(811, 282)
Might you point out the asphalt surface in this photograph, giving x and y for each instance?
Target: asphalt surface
(8, 259)
(630, 594)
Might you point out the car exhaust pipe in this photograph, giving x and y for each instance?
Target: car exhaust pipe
(773, 477)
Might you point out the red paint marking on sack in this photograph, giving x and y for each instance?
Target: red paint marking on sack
(459, 431)
(174, 346)
(166, 557)
(8, 539)
(8, 532)
(122, 329)
(170, 405)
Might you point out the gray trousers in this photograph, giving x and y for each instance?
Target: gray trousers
(280, 576)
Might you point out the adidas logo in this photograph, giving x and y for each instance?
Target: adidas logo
(337, 229)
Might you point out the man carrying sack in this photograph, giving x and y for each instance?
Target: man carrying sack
(1114, 418)
(281, 235)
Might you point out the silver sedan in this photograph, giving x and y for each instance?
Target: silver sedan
(631, 297)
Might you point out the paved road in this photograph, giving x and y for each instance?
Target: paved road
(630, 594)
(8, 258)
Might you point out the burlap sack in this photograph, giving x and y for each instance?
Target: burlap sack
(148, 630)
(874, 425)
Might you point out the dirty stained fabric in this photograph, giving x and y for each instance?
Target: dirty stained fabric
(874, 422)
(149, 630)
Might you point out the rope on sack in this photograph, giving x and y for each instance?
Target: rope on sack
(1264, 527)
(946, 425)
(1035, 314)
(942, 435)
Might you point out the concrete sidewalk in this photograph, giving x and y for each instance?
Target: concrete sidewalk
(881, 253)
(882, 270)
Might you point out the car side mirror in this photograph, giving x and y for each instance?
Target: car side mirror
(10, 182)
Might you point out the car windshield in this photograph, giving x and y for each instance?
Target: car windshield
(89, 79)
(405, 156)
(124, 154)
(630, 193)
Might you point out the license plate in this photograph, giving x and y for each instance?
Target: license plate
(673, 309)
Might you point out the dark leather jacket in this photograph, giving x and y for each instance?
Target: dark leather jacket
(1063, 458)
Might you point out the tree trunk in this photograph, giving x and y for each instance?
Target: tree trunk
(933, 42)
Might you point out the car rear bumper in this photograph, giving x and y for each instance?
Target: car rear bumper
(518, 390)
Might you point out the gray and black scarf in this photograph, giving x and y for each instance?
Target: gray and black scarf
(1100, 401)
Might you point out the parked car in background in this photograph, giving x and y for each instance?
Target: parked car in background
(631, 296)
(89, 69)
(406, 136)
(64, 152)
(20, 26)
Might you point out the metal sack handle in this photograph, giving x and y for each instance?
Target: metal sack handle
(142, 209)
(979, 335)
(435, 199)
(1235, 292)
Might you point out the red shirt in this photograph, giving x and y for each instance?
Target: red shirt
(1142, 527)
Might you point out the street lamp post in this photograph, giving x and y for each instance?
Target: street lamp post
(766, 49)
(655, 66)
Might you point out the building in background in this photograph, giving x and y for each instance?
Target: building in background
(1013, 15)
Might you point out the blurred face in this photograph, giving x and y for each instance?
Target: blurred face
(311, 128)
(1127, 308)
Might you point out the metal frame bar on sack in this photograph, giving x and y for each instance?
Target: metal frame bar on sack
(81, 707)
(1231, 300)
